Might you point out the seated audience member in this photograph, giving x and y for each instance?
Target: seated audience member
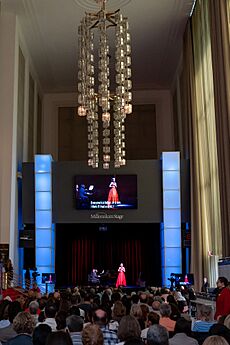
(181, 301)
(152, 319)
(156, 307)
(59, 337)
(34, 311)
(92, 335)
(175, 314)
(215, 340)
(40, 334)
(75, 324)
(6, 324)
(23, 326)
(136, 311)
(118, 311)
(218, 329)
(205, 319)
(182, 333)
(128, 329)
(60, 319)
(165, 311)
(157, 335)
(99, 317)
(50, 313)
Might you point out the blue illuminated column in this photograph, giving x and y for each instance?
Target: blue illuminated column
(45, 230)
(171, 256)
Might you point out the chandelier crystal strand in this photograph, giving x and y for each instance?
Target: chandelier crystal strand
(103, 91)
(89, 99)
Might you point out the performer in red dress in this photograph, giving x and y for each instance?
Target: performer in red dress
(113, 198)
(121, 280)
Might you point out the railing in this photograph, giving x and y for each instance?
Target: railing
(15, 281)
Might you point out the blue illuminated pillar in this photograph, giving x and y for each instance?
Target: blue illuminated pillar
(44, 229)
(171, 255)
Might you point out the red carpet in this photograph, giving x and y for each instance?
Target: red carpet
(13, 293)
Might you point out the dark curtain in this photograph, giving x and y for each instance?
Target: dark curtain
(79, 249)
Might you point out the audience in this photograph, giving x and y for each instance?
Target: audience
(111, 317)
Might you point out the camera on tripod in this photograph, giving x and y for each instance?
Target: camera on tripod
(35, 274)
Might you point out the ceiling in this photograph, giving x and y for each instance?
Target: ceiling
(50, 31)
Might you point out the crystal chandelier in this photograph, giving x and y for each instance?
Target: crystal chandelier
(96, 101)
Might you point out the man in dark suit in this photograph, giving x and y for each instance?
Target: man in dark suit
(94, 277)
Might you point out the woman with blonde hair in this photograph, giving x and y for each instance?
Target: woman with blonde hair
(92, 335)
(215, 340)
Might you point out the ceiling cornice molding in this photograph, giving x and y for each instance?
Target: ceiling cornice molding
(94, 5)
(36, 32)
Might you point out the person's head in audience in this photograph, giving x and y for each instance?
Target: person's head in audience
(152, 319)
(4, 305)
(165, 310)
(74, 310)
(13, 309)
(119, 310)
(50, 310)
(183, 326)
(74, 323)
(158, 298)
(136, 310)
(99, 317)
(129, 328)
(60, 338)
(157, 335)
(156, 305)
(135, 298)
(40, 334)
(206, 312)
(23, 323)
(227, 321)
(33, 307)
(215, 340)
(218, 329)
(92, 335)
(60, 318)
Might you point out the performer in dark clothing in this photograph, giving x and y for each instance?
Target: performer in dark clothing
(205, 285)
(9, 272)
(94, 277)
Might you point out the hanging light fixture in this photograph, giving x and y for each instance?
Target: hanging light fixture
(96, 100)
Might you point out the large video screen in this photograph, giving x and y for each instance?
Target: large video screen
(94, 192)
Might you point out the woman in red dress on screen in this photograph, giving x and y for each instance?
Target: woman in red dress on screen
(113, 198)
(121, 280)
